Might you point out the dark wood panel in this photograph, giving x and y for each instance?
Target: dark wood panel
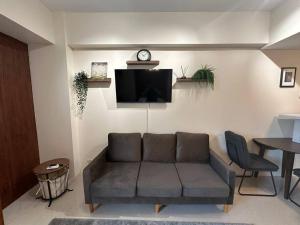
(1, 215)
(3, 175)
(20, 149)
(5, 178)
(1, 218)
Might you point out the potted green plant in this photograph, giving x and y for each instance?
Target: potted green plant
(205, 75)
(184, 71)
(80, 85)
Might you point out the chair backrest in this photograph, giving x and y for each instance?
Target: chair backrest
(237, 149)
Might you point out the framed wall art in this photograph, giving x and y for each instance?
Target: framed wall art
(99, 70)
(288, 77)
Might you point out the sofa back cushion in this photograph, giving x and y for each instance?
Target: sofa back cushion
(192, 147)
(124, 147)
(159, 147)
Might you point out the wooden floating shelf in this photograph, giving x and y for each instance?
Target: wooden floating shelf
(99, 80)
(187, 80)
(153, 62)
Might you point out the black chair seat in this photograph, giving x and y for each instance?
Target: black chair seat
(297, 172)
(258, 163)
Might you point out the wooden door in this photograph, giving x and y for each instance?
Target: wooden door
(1, 215)
(18, 138)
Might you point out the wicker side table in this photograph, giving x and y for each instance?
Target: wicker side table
(53, 182)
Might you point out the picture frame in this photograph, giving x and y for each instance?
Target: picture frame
(99, 70)
(288, 77)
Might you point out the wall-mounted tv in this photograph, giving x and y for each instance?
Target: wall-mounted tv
(144, 86)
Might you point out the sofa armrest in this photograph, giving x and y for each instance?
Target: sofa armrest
(224, 172)
(91, 172)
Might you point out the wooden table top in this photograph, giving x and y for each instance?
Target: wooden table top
(42, 168)
(285, 144)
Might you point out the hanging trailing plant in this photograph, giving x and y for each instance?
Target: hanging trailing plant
(205, 75)
(80, 85)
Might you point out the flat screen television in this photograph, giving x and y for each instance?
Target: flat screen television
(140, 85)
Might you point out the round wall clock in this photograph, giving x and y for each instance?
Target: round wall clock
(143, 55)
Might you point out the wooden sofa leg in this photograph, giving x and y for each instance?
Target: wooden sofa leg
(91, 207)
(226, 208)
(158, 208)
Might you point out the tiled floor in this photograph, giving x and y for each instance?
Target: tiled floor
(257, 210)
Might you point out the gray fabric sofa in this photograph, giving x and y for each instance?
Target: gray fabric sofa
(158, 169)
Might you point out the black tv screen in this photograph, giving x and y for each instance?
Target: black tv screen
(139, 85)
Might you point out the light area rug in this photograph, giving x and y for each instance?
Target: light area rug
(60, 221)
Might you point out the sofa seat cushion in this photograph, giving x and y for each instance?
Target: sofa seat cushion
(200, 180)
(117, 180)
(158, 180)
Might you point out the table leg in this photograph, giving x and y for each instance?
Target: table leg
(289, 164)
(283, 163)
(49, 191)
(261, 153)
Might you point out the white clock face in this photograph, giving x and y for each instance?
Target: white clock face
(143, 55)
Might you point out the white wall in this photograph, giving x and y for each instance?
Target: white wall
(31, 14)
(246, 99)
(285, 21)
(50, 84)
(167, 28)
(73, 116)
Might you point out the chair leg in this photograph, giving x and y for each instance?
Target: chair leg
(263, 195)
(252, 174)
(293, 201)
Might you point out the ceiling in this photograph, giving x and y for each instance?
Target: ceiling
(160, 5)
(13, 29)
(292, 42)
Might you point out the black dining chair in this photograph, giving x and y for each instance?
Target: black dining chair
(296, 173)
(238, 153)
